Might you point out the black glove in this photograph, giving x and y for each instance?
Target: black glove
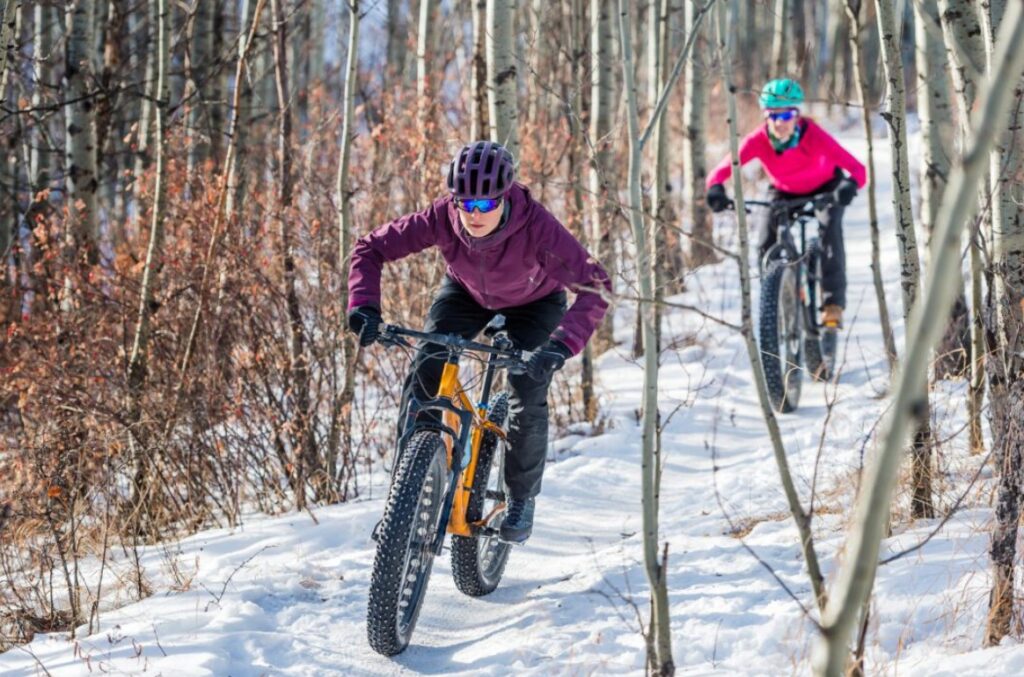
(846, 191)
(546, 360)
(717, 199)
(364, 321)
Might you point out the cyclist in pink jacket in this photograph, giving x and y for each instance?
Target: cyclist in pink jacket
(801, 159)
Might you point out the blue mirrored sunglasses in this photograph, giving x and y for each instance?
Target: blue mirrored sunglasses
(482, 205)
(782, 115)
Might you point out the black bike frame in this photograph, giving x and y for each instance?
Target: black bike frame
(785, 212)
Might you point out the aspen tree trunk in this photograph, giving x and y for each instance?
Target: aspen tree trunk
(216, 86)
(860, 78)
(349, 351)
(659, 640)
(780, 38)
(302, 441)
(200, 66)
(801, 518)
(602, 93)
(424, 87)
(1006, 313)
(480, 125)
(936, 115)
(81, 179)
(318, 18)
(237, 174)
(538, 14)
(659, 176)
(841, 69)
(8, 36)
(143, 133)
(927, 322)
(668, 247)
(910, 263)
(961, 27)
(300, 45)
(694, 146)
(396, 43)
(503, 110)
(143, 454)
(44, 22)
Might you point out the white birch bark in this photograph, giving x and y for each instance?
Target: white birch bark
(141, 453)
(694, 147)
(143, 129)
(860, 78)
(910, 262)
(659, 641)
(602, 93)
(480, 125)
(1006, 318)
(924, 329)
(502, 75)
(424, 87)
(961, 27)
(936, 116)
(81, 179)
(780, 38)
(659, 633)
(349, 351)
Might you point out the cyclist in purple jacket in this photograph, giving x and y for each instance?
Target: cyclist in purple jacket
(506, 254)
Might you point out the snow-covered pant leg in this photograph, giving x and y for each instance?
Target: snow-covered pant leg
(833, 261)
(529, 326)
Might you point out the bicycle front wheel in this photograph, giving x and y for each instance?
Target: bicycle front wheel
(780, 330)
(405, 555)
(478, 561)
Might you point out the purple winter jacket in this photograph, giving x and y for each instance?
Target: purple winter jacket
(532, 256)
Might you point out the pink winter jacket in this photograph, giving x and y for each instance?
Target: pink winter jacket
(799, 170)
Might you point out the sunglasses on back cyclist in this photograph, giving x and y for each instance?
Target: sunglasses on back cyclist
(781, 115)
(483, 205)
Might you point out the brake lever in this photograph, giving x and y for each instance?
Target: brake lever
(389, 339)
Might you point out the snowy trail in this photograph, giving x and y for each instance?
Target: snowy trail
(283, 596)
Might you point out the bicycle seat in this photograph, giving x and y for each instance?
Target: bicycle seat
(495, 326)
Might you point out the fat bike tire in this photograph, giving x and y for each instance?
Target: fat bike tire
(780, 334)
(478, 561)
(405, 539)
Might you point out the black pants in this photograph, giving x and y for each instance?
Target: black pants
(833, 263)
(454, 311)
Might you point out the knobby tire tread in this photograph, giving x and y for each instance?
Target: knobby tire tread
(392, 542)
(466, 570)
(783, 399)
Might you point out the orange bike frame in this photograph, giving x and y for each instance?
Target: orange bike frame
(451, 389)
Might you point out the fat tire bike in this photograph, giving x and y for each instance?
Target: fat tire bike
(789, 333)
(449, 478)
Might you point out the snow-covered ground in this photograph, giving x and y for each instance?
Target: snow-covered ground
(286, 596)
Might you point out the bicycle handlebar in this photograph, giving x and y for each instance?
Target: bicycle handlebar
(393, 335)
(818, 200)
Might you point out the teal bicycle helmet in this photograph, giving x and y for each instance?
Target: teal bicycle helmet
(781, 93)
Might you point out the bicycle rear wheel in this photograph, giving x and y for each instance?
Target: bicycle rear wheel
(820, 342)
(405, 540)
(478, 561)
(780, 330)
